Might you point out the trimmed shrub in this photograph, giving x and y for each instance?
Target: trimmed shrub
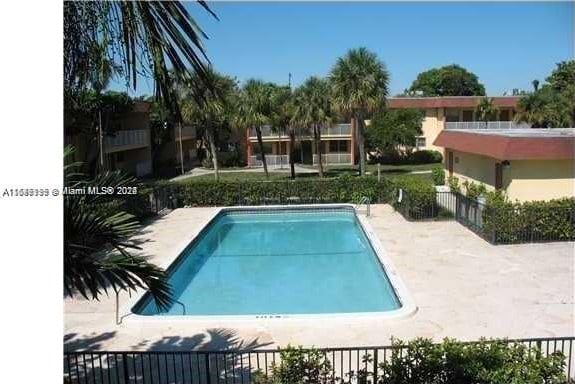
(416, 157)
(417, 198)
(345, 189)
(514, 222)
(425, 157)
(495, 362)
(298, 366)
(438, 175)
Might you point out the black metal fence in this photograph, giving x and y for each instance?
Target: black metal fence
(426, 206)
(506, 224)
(240, 367)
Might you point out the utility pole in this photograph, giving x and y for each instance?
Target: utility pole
(289, 80)
(181, 148)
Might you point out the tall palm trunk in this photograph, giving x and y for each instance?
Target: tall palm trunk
(291, 152)
(317, 140)
(214, 152)
(261, 145)
(361, 144)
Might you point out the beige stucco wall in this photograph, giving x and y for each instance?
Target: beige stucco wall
(431, 126)
(523, 180)
(539, 179)
(473, 168)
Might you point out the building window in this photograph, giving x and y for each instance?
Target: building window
(467, 115)
(504, 115)
(451, 115)
(336, 146)
(333, 146)
(420, 142)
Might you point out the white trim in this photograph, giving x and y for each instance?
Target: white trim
(407, 309)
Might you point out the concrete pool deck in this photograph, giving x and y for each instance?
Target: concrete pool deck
(463, 287)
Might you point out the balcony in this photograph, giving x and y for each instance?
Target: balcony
(485, 125)
(272, 161)
(125, 140)
(337, 130)
(334, 158)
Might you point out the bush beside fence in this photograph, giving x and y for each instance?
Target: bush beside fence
(534, 221)
(417, 199)
(498, 221)
(304, 191)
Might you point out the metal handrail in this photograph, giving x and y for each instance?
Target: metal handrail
(183, 306)
(364, 200)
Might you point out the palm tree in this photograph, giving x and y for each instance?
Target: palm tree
(485, 110)
(359, 87)
(97, 244)
(312, 110)
(535, 84)
(283, 110)
(140, 37)
(209, 104)
(256, 109)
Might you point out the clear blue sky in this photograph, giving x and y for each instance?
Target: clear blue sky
(506, 45)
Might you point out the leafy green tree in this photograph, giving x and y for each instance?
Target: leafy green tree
(256, 109)
(313, 111)
(485, 111)
(450, 80)
(138, 38)
(553, 104)
(359, 87)
(563, 77)
(210, 104)
(97, 245)
(393, 130)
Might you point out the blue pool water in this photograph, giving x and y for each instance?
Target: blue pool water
(279, 262)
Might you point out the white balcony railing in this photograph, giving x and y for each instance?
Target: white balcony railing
(334, 130)
(273, 161)
(334, 158)
(485, 125)
(122, 140)
(267, 131)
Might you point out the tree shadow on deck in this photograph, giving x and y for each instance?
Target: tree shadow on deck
(209, 357)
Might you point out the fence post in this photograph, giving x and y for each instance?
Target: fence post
(375, 366)
(457, 206)
(208, 378)
(125, 368)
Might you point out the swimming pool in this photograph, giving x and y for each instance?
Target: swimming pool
(281, 262)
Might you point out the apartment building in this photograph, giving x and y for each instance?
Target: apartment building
(339, 141)
(338, 147)
(126, 143)
(455, 112)
(529, 164)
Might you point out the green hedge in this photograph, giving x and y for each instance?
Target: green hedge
(345, 189)
(423, 362)
(507, 222)
(418, 199)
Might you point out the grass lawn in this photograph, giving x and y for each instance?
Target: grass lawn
(390, 171)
